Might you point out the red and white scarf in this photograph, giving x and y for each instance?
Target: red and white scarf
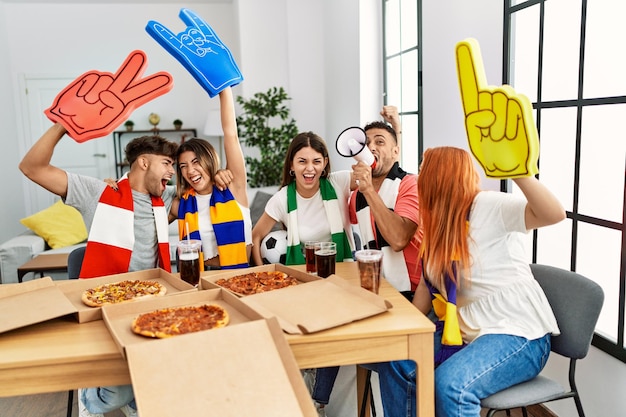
(112, 234)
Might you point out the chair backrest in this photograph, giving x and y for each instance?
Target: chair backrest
(75, 262)
(576, 302)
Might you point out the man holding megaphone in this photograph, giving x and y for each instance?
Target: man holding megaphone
(383, 212)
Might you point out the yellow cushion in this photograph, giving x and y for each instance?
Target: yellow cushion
(59, 225)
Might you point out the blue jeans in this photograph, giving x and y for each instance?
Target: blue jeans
(324, 382)
(489, 364)
(106, 399)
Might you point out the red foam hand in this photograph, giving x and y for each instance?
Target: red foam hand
(96, 103)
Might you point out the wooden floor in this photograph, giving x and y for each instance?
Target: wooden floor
(55, 405)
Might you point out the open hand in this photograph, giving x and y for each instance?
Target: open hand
(499, 122)
(98, 102)
(200, 51)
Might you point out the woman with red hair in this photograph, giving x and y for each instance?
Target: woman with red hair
(493, 319)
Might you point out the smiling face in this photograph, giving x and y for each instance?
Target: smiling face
(384, 149)
(307, 166)
(194, 173)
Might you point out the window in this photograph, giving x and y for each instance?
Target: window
(403, 73)
(561, 53)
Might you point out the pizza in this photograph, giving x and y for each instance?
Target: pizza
(257, 282)
(121, 291)
(168, 322)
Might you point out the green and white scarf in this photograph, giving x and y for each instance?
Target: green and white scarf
(333, 214)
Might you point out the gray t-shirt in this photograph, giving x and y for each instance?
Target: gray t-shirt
(83, 193)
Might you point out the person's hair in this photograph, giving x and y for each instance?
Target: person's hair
(447, 185)
(384, 126)
(150, 144)
(208, 159)
(304, 140)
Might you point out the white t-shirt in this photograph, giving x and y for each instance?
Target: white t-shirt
(207, 234)
(312, 221)
(501, 296)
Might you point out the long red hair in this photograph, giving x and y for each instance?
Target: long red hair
(447, 185)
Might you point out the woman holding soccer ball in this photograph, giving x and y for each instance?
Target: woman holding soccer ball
(311, 203)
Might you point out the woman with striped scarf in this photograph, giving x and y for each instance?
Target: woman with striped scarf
(220, 218)
(311, 203)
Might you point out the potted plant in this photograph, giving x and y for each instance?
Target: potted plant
(129, 125)
(178, 124)
(266, 125)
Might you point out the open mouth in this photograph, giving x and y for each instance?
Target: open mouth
(309, 178)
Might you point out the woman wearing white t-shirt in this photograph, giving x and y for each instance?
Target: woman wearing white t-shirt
(201, 203)
(311, 203)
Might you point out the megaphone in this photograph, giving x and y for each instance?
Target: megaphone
(352, 142)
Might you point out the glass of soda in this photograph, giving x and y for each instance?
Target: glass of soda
(325, 259)
(370, 264)
(189, 260)
(309, 255)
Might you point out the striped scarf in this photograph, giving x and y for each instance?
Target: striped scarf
(333, 214)
(448, 321)
(228, 226)
(109, 249)
(367, 235)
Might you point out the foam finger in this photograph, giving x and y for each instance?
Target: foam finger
(471, 73)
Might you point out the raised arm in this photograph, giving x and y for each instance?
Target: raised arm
(391, 116)
(235, 161)
(543, 208)
(36, 163)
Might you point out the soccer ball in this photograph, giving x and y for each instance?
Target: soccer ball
(274, 247)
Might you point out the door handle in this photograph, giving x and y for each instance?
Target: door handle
(100, 155)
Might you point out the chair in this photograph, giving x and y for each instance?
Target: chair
(576, 302)
(74, 263)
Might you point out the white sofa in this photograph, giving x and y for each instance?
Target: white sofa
(20, 249)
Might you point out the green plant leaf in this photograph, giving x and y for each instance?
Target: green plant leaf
(266, 125)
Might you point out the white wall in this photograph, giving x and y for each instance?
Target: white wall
(12, 205)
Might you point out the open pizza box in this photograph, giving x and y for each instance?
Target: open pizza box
(74, 288)
(240, 370)
(208, 278)
(119, 317)
(318, 305)
(31, 302)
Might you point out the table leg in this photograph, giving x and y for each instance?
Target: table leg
(421, 351)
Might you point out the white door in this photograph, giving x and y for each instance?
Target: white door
(93, 157)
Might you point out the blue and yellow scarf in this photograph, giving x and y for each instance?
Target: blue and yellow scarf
(228, 225)
(447, 324)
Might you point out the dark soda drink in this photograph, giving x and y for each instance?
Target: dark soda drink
(189, 268)
(309, 256)
(325, 262)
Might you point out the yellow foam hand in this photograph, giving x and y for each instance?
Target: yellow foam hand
(499, 122)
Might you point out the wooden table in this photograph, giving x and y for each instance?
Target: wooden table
(43, 263)
(62, 354)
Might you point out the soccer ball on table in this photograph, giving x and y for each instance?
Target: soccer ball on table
(274, 247)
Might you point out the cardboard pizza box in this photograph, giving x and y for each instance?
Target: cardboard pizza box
(243, 370)
(208, 278)
(118, 317)
(318, 305)
(31, 302)
(74, 288)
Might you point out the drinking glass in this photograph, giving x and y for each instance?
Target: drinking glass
(325, 259)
